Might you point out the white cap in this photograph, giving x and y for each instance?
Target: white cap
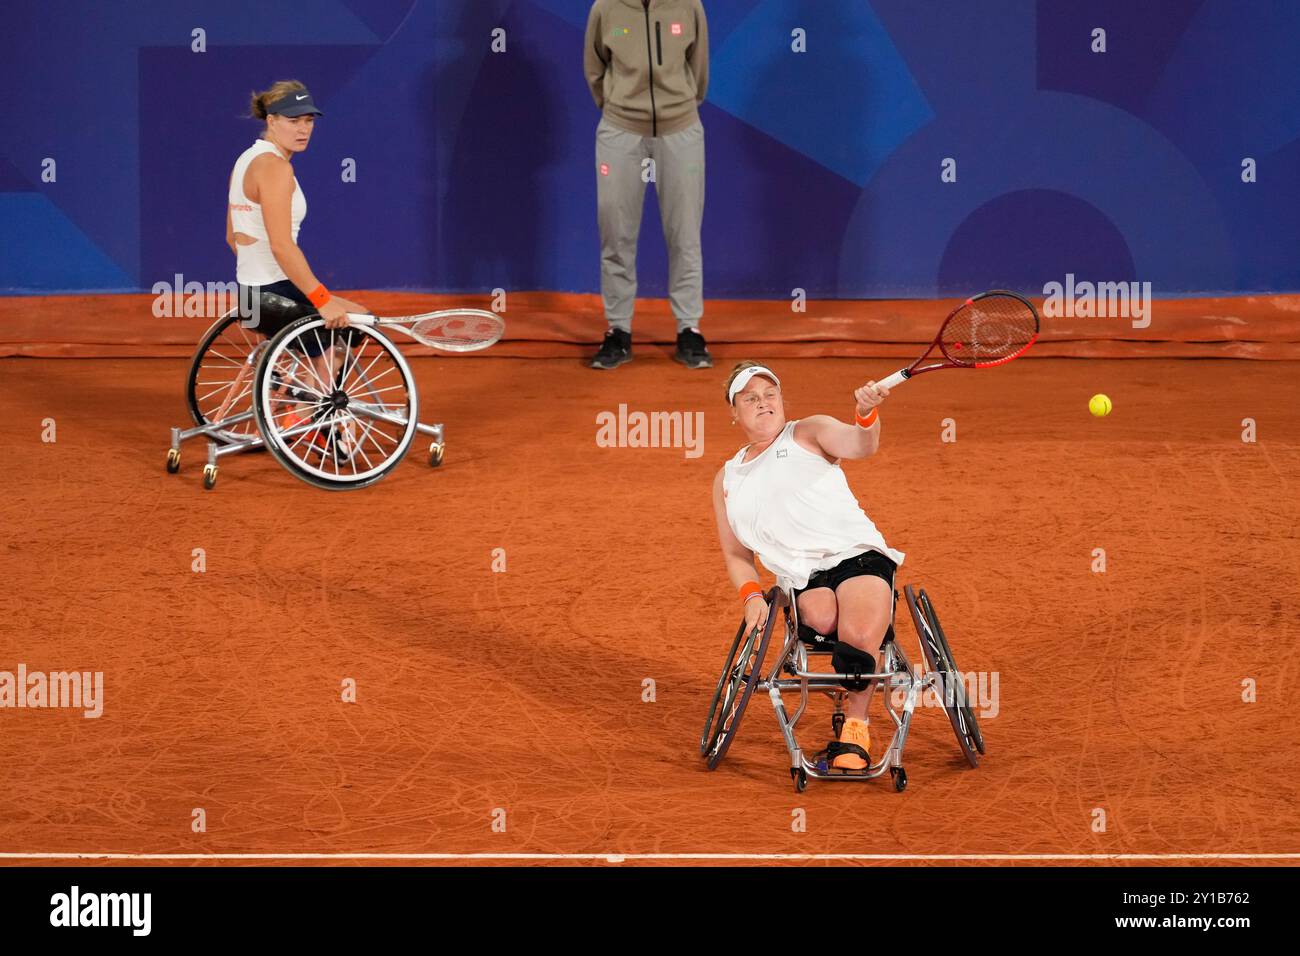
(743, 378)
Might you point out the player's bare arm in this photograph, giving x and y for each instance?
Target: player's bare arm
(271, 182)
(738, 558)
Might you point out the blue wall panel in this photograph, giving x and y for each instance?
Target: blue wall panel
(475, 169)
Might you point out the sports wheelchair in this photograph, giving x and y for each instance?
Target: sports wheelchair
(791, 673)
(336, 407)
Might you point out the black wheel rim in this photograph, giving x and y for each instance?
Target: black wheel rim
(972, 727)
(710, 731)
(938, 659)
(742, 674)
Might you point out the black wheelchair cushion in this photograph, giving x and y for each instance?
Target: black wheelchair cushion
(282, 309)
(274, 312)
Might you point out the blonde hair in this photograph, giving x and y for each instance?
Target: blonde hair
(739, 367)
(277, 91)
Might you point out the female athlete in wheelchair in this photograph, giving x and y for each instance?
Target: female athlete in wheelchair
(784, 499)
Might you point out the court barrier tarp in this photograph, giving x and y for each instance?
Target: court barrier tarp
(558, 325)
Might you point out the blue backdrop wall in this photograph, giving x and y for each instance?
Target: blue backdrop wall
(475, 170)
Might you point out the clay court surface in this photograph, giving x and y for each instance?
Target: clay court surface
(522, 690)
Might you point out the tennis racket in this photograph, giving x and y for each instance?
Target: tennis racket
(988, 329)
(452, 330)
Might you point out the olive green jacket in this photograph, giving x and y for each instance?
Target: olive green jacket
(648, 64)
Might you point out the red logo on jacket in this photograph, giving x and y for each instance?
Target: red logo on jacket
(677, 29)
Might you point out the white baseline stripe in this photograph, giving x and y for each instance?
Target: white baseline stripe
(624, 857)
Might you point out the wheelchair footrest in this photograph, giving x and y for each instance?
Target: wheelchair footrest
(821, 762)
(824, 769)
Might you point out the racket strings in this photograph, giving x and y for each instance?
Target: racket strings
(457, 330)
(990, 329)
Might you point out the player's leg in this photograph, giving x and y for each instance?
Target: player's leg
(864, 604)
(267, 310)
(620, 199)
(865, 607)
(304, 369)
(679, 184)
(817, 609)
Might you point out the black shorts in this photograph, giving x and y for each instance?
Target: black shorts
(273, 313)
(869, 562)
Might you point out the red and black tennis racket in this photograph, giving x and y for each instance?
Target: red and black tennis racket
(989, 329)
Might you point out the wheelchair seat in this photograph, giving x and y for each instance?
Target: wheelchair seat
(270, 313)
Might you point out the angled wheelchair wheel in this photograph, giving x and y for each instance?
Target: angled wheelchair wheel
(740, 675)
(970, 724)
(952, 690)
(710, 724)
(343, 419)
(220, 383)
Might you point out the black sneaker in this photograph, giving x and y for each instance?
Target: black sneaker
(616, 350)
(691, 350)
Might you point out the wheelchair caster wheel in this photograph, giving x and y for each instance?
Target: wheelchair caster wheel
(800, 778)
(209, 476)
(435, 454)
(900, 778)
(173, 460)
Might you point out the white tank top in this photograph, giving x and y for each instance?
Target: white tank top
(254, 264)
(794, 510)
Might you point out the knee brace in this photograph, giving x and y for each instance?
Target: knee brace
(847, 659)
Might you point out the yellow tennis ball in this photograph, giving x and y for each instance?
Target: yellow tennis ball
(1100, 405)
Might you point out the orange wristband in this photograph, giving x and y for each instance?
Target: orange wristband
(869, 420)
(319, 295)
(749, 589)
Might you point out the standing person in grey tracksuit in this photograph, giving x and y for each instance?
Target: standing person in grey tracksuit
(647, 63)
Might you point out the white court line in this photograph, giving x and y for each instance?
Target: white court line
(626, 857)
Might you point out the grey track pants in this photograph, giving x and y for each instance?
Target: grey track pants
(622, 172)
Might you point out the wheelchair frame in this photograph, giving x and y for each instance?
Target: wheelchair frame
(791, 673)
(224, 439)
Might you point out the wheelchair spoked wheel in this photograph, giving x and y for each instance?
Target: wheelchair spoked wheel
(740, 674)
(710, 730)
(344, 420)
(971, 724)
(220, 383)
(952, 690)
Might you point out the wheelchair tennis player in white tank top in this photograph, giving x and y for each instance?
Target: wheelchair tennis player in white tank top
(266, 207)
(264, 213)
(784, 499)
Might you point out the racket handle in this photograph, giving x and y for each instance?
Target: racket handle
(898, 378)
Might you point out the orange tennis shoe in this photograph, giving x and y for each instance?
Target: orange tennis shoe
(855, 734)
